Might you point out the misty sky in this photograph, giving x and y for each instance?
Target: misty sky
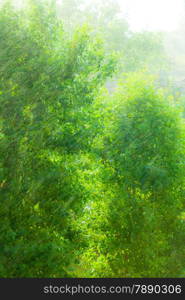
(149, 14)
(153, 14)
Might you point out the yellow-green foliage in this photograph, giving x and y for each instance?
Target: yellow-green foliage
(92, 184)
(139, 214)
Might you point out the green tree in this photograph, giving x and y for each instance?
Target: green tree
(136, 228)
(147, 150)
(48, 82)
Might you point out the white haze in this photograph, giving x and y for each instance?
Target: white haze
(149, 15)
(153, 15)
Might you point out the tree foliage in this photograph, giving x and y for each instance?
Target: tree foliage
(48, 82)
(92, 183)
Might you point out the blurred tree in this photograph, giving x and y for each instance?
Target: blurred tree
(136, 229)
(48, 83)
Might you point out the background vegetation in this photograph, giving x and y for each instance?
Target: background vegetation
(92, 145)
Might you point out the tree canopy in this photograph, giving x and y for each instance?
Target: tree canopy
(92, 180)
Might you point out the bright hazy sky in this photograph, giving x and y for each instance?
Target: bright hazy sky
(150, 14)
(153, 14)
